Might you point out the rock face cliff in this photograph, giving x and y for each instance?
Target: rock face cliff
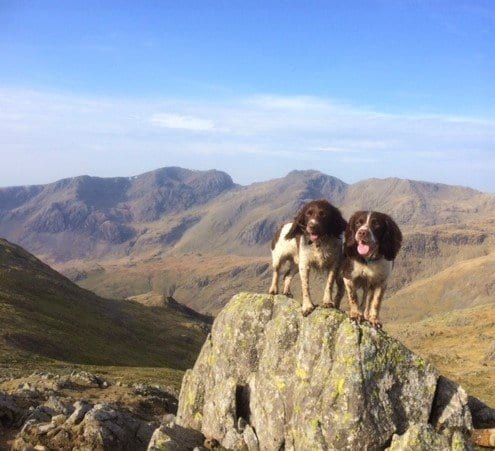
(269, 379)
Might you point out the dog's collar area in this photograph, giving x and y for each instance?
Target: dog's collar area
(370, 261)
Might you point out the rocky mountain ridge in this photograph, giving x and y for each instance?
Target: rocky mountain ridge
(93, 212)
(178, 210)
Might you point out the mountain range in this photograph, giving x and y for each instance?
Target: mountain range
(200, 237)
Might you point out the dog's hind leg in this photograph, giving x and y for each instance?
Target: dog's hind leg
(307, 305)
(288, 276)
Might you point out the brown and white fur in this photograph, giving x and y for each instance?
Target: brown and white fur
(372, 241)
(311, 240)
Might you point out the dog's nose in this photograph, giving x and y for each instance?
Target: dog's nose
(362, 234)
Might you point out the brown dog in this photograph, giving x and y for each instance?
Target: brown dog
(372, 241)
(311, 240)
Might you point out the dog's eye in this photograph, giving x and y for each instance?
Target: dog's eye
(310, 212)
(359, 223)
(375, 224)
(321, 214)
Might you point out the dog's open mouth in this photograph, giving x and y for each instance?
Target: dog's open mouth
(314, 237)
(364, 248)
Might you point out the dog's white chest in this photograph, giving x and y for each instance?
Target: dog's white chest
(322, 256)
(376, 272)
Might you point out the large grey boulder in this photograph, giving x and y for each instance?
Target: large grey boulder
(319, 382)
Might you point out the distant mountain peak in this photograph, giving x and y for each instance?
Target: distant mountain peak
(304, 173)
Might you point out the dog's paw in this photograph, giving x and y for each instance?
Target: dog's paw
(211, 443)
(273, 291)
(306, 310)
(356, 317)
(375, 322)
(288, 294)
(328, 305)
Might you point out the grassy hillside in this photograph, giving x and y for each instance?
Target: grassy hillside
(202, 282)
(44, 316)
(463, 285)
(456, 343)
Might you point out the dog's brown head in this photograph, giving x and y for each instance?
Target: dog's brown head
(317, 219)
(371, 235)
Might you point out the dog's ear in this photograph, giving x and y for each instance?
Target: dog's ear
(391, 240)
(349, 236)
(335, 224)
(298, 224)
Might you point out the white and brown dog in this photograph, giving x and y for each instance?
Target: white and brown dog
(372, 241)
(311, 240)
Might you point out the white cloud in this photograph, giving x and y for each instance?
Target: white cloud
(49, 136)
(356, 145)
(295, 103)
(178, 121)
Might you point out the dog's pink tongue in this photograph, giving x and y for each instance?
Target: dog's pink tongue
(363, 249)
(313, 237)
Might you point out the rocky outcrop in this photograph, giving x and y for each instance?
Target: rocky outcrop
(267, 378)
(172, 437)
(10, 413)
(88, 427)
(81, 411)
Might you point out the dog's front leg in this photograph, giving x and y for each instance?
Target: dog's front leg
(307, 305)
(375, 307)
(276, 268)
(354, 310)
(368, 293)
(328, 295)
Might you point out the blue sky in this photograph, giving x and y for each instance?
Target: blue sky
(356, 89)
